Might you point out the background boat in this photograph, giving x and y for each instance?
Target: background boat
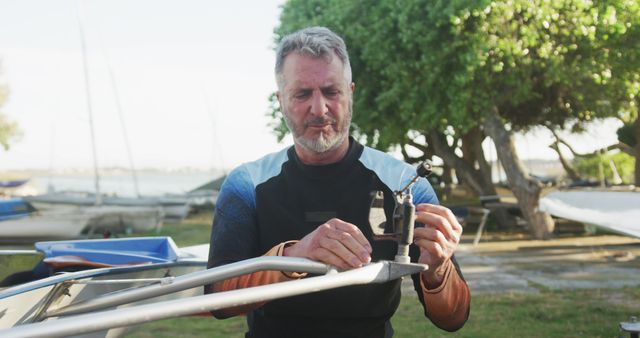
(20, 221)
(14, 208)
(41, 225)
(12, 183)
(174, 208)
(613, 210)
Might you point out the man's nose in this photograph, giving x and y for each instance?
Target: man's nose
(319, 104)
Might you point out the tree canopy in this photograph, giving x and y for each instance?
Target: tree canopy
(423, 65)
(450, 72)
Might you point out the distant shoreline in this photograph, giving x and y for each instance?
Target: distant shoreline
(115, 182)
(110, 171)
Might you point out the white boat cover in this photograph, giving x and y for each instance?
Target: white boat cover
(617, 211)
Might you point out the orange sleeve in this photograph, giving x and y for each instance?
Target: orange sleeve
(447, 306)
(253, 279)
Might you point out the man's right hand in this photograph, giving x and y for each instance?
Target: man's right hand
(337, 243)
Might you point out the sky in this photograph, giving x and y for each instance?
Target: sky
(192, 79)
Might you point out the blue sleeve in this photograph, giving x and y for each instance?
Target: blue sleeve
(233, 233)
(423, 192)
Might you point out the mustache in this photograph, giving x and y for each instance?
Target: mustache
(320, 120)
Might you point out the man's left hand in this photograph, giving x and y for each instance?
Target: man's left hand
(437, 240)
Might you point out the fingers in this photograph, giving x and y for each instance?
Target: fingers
(422, 236)
(336, 253)
(346, 241)
(329, 257)
(434, 252)
(440, 236)
(441, 218)
(353, 230)
(337, 243)
(434, 247)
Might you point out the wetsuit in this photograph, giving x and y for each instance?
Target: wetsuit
(264, 204)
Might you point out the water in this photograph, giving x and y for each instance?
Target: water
(121, 184)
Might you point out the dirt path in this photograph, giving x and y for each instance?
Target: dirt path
(586, 262)
(567, 263)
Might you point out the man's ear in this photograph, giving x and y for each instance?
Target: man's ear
(279, 98)
(353, 87)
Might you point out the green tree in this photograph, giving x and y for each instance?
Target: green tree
(8, 130)
(445, 74)
(606, 167)
(628, 136)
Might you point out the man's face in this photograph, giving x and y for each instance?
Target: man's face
(316, 101)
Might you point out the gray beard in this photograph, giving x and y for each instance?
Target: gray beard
(322, 143)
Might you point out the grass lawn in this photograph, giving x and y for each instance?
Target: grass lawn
(583, 313)
(574, 313)
(14, 263)
(193, 230)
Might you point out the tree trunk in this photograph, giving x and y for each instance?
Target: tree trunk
(472, 142)
(637, 149)
(481, 182)
(447, 178)
(568, 168)
(526, 190)
(464, 170)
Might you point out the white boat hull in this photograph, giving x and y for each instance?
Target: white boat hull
(69, 221)
(124, 218)
(617, 211)
(26, 307)
(49, 224)
(169, 207)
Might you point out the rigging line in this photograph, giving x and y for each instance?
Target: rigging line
(216, 141)
(123, 125)
(52, 149)
(119, 109)
(88, 99)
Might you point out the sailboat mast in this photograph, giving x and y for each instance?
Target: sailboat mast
(214, 135)
(123, 126)
(89, 106)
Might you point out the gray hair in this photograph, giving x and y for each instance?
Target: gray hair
(318, 42)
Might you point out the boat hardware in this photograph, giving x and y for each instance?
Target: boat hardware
(379, 272)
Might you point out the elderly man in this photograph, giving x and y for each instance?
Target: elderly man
(312, 200)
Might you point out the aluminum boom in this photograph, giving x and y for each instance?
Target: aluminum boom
(195, 279)
(74, 325)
